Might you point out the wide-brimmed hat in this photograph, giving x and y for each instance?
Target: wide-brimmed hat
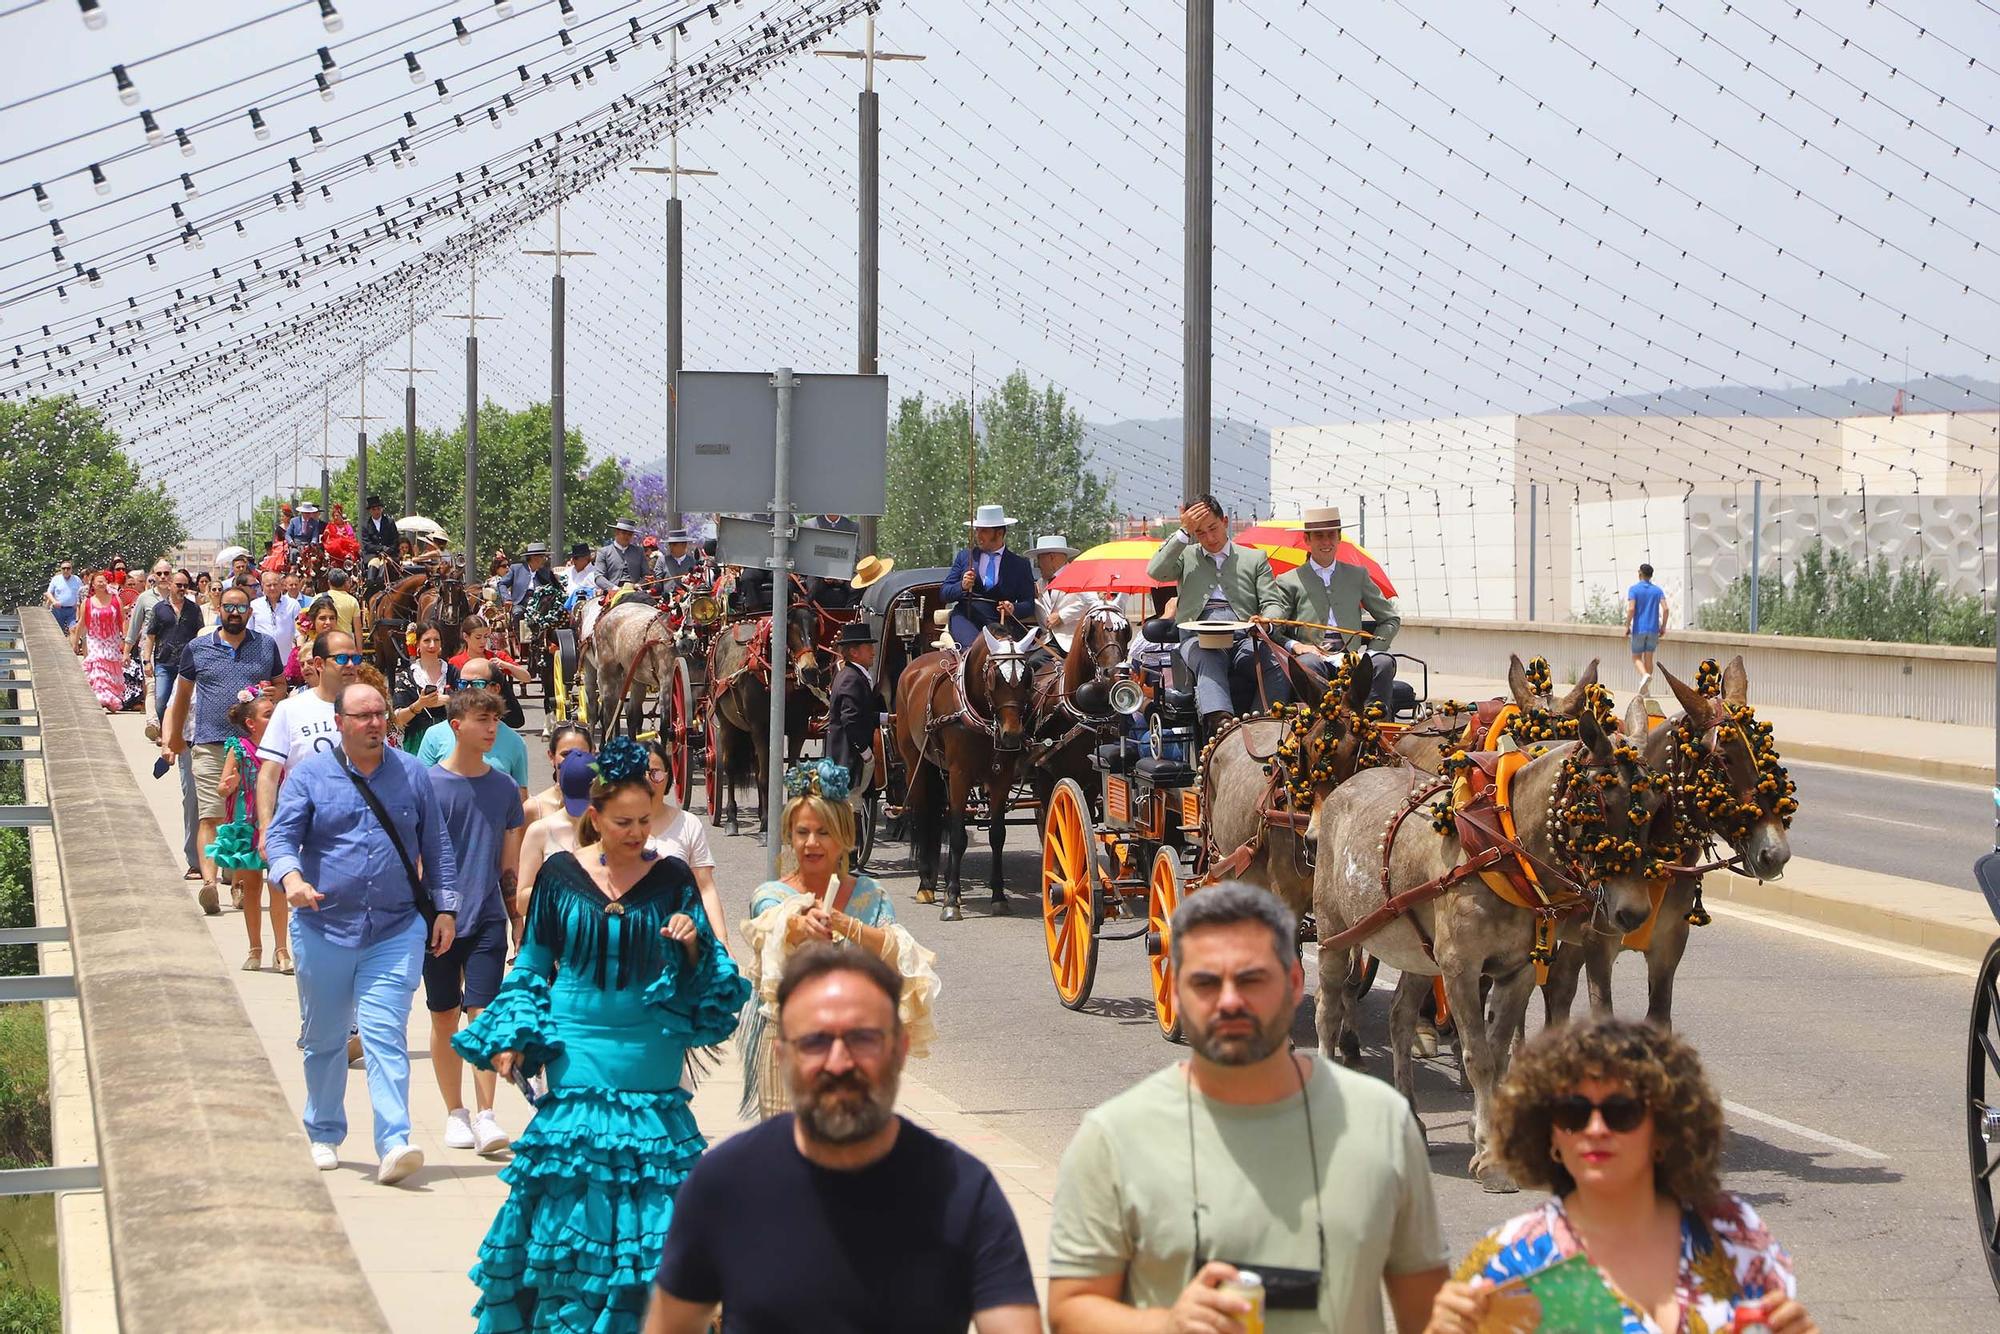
(308, 508)
(574, 776)
(1053, 544)
(578, 549)
(1217, 634)
(854, 632)
(1324, 519)
(534, 549)
(678, 535)
(991, 516)
(374, 503)
(869, 569)
(625, 526)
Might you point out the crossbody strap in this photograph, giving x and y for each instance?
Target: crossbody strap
(422, 897)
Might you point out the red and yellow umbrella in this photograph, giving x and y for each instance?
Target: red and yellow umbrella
(1110, 567)
(1283, 540)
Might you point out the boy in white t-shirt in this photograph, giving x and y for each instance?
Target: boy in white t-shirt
(303, 723)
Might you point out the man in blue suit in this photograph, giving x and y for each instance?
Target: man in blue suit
(988, 584)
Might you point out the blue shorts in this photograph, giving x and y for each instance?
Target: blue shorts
(1645, 642)
(467, 976)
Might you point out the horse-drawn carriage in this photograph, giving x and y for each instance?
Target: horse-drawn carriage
(1982, 1080)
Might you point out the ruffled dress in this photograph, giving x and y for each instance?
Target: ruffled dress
(104, 651)
(609, 1010)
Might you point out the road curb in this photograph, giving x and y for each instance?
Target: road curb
(1912, 766)
(1965, 934)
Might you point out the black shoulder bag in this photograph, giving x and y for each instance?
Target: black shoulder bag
(426, 906)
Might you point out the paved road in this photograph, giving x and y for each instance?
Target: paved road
(1898, 826)
(1843, 1067)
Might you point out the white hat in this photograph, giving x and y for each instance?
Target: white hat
(1052, 544)
(992, 516)
(308, 508)
(1323, 519)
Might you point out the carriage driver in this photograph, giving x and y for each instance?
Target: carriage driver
(1062, 612)
(1328, 591)
(988, 585)
(854, 708)
(1217, 580)
(305, 527)
(622, 560)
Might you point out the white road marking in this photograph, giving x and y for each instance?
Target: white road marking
(1804, 1132)
(1883, 819)
(1943, 963)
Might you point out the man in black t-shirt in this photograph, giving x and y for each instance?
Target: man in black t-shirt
(842, 1218)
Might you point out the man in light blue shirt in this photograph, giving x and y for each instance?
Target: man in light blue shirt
(64, 590)
(1645, 622)
(357, 939)
(509, 753)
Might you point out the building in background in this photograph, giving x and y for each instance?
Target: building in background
(1908, 474)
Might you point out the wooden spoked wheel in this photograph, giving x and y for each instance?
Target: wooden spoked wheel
(675, 700)
(867, 820)
(1163, 895)
(1982, 1107)
(712, 780)
(563, 683)
(1070, 880)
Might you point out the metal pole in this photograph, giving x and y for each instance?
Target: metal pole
(1363, 539)
(472, 453)
(781, 590)
(867, 323)
(1533, 496)
(410, 419)
(1199, 242)
(673, 358)
(325, 458)
(361, 446)
(558, 463)
(1756, 549)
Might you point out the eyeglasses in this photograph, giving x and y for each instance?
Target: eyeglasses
(235, 609)
(1622, 1113)
(181, 584)
(345, 659)
(863, 1044)
(473, 682)
(368, 716)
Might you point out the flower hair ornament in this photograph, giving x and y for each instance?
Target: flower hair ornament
(822, 778)
(252, 692)
(621, 759)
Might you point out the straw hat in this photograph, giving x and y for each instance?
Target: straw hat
(1325, 519)
(870, 569)
(1217, 634)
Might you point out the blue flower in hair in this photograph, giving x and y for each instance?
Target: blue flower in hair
(823, 778)
(620, 759)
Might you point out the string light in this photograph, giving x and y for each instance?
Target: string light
(98, 181)
(459, 30)
(257, 125)
(151, 126)
(503, 8)
(188, 185)
(328, 16)
(324, 85)
(93, 14)
(128, 92)
(187, 144)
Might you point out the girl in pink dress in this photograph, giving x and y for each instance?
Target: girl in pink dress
(100, 637)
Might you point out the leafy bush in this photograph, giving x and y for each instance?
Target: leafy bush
(1603, 607)
(24, 1087)
(1831, 595)
(26, 1310)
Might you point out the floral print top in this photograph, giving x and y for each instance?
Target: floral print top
(1726, 1257)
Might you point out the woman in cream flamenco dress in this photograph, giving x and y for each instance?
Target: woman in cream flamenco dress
(820, 899)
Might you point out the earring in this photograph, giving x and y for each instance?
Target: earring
(1555, 1153)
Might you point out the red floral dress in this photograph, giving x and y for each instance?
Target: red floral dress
(104, 651)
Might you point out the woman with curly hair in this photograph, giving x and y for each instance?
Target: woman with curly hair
(619, 979)
(1618, 1120)
(819, 899)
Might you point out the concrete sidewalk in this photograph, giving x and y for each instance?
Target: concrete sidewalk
(416, 1242)
(1942, 751)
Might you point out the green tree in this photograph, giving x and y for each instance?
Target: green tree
(514, 482)
(67, 491)
(1030, 459)
(1830, 595)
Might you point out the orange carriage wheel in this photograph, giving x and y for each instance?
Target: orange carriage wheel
(1070, 882)
(676, 697)
(1163, 895)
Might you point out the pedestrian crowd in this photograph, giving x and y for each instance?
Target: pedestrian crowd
(571, 942)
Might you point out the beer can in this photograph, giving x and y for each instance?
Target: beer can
(1249, 1285)
(1750, 1317)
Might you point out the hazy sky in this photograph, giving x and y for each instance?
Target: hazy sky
(1502, 209)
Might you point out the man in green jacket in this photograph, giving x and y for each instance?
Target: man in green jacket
(1216, 580)
(1328, 591)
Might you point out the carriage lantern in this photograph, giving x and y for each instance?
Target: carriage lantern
(906, 620)
(703, 609)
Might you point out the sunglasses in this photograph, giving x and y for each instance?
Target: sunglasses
(1622, 1113)
(473, 682)
(345, 659)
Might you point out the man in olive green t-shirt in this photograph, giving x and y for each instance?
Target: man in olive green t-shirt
(1249, 1156)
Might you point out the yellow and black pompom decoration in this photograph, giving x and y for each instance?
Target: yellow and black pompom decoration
(1708, 678)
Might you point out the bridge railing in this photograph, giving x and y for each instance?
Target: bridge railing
(216, 1219)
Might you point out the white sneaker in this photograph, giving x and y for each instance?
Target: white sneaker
(1646, 684)
(458, 1130)
(324, 1157)
(487, 1135)
(398, 1163)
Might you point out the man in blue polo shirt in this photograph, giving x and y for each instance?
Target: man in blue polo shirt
(1645, 622)
(64, 590)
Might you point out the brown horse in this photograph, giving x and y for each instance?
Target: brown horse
(739, 700)
(444, 599)
(391, 613)
(963, 719)
(1722, 792)
(1073, 700)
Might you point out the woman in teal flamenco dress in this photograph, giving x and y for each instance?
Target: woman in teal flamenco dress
(619, 978)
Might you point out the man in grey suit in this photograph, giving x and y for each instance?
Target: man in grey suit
(1220, 581)
(622, 560)
(1329, 591)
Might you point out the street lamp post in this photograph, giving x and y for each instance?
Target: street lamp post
(1198, 240)
(472, 318)
(558, 447)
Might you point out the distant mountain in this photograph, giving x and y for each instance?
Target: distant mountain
(1145, 460)
(1856, 398)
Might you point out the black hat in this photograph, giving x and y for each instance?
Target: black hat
(578, 549)
(374, 503)
(854, 632)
